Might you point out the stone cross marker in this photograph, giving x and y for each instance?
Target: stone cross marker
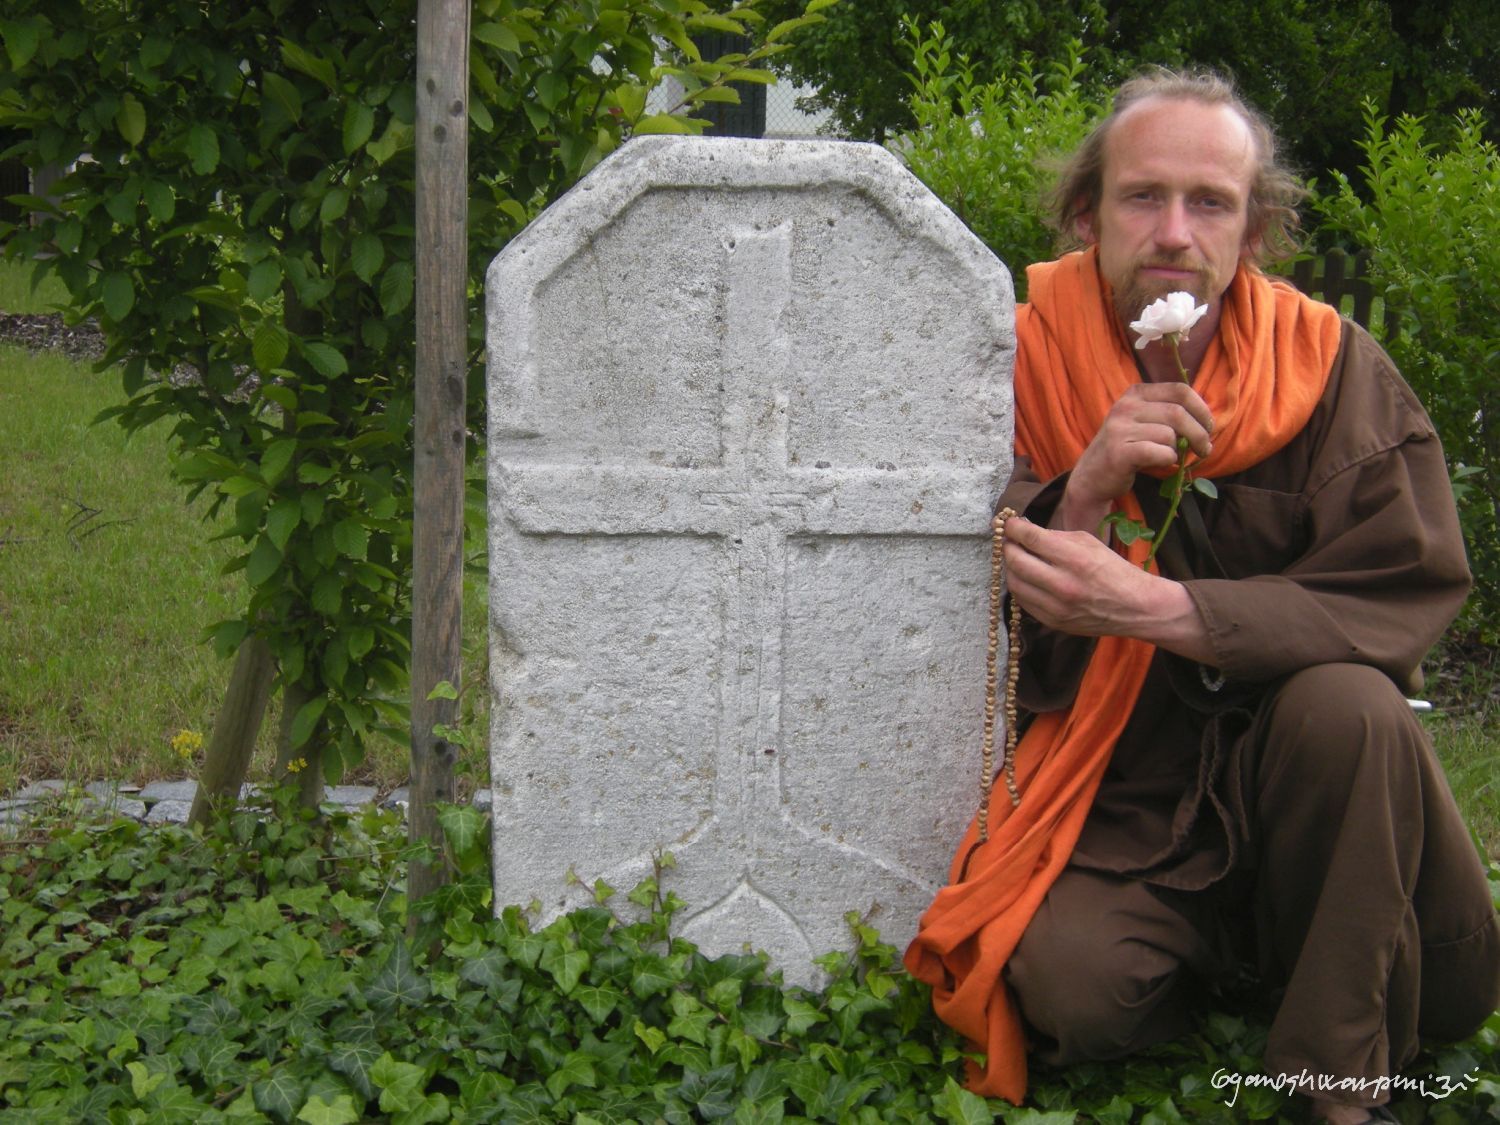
(749, 409)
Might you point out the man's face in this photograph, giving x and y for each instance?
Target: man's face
(1172, 211)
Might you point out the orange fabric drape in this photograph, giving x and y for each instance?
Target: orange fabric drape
(1262, 376)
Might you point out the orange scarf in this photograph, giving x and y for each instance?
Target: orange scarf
(1262, 376)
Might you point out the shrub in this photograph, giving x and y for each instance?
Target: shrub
(982, 147)
(1430, 220)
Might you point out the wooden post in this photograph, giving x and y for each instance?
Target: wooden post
(442, 268)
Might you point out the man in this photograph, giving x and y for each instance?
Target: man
(1218, 766)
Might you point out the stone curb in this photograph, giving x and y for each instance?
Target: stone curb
(170, 802)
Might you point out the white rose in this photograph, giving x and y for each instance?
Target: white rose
(1171, 315)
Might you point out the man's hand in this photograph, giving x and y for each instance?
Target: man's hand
(1071, 582)
(1139, 432)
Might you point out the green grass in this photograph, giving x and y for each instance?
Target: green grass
(18, 296)
(107, 582)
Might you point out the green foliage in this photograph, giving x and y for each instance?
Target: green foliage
(260, 970)
(243, 231)
(981, 146)
(1429, 217)
(1288, 56)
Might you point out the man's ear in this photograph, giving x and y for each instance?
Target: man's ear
(1083, 228)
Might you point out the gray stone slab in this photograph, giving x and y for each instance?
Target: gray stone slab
(348, 795)
(39, 790)
(750, 408)
(169, 811)
(399, 799)
(170, 791)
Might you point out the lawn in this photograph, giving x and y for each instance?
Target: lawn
(108, 581)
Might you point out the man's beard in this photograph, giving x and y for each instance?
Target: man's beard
(1139, 291)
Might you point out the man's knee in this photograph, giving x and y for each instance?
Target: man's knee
(1083, 979)
(1323, 722)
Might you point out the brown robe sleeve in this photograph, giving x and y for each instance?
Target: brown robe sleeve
(1344, 547)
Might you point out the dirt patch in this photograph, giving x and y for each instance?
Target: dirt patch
(48, 332)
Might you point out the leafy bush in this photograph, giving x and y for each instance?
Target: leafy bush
(982, 147)
(244, 222)
(261, 971)
(1430, 220)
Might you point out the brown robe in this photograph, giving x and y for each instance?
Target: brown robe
(1339, 555)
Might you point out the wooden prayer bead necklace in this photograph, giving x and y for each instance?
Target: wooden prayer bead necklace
(991, 680)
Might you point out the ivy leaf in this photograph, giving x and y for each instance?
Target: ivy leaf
(768, 1112)
(653, 1037)
(800, 1015)
(487, 970)
(398, 983)
(131, 120)
(577, 1069)
(279, 1095)
(651, 976)
(958, 1106)
(565, 965)
(463, 826)
(400, 1083)
(353, 1060)
(203, 149)
(710, 1093)
(598, 1001)
(340, 1111)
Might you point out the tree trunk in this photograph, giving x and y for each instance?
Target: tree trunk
(440, 418)
(236, 728)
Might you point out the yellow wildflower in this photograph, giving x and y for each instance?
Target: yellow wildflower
(186, 743)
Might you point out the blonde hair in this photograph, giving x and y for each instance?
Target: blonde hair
(1275, 190)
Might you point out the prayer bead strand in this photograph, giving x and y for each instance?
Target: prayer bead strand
(991, 680)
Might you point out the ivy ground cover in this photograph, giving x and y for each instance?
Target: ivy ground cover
(269, 969)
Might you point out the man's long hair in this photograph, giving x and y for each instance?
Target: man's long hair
(1275, 190)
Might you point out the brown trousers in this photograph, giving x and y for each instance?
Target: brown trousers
(1369, 906)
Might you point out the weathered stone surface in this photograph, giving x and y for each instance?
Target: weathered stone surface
(349, 795)
(169, 811)
(39, 790)
(169, 791)
(749, 409)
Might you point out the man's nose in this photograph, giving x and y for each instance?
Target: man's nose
(1172, 227)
